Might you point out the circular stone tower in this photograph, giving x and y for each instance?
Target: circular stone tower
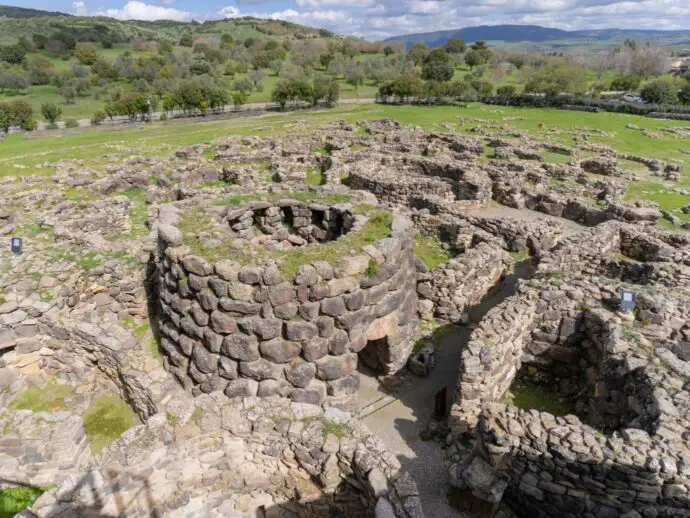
(283, 297)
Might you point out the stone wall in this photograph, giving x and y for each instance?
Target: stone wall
(242, 457)
(559, 467)
(622, 374)
(417, 178)
(249, 331)
(454, 287)
(491, 359)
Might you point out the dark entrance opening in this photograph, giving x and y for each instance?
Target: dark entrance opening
(374, 353)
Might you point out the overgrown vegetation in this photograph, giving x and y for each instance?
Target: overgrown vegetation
(107, 418)
(15, 499)
(430, 250)
(50, 398)
(529, 397)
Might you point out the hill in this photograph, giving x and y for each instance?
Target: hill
(544, 37)
(16, 22)
(11, 11)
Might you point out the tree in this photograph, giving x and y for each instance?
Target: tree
(68, 92)
(22, 113)
(478, 45)
(5, 117)
(354, 74)
(239, 99)
(660, 91)
(556, 78)
(418, 53)
(388, 50)
(626, 83)
(186, 40)
(437, 66)
(437, 71)
(13, 54)
(506, 92)
(12, 80)
(51, 112)
(86, 53)
(455, 46)
(477, 57)
(325, 88)
(684, 94)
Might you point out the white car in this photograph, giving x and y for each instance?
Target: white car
(630, 98)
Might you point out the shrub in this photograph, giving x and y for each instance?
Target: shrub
(51, 112)
(660, 91)
(22, 113)
(163, 117)
(71, 123)
(86, 53)
(52, 126)
(30, 125)
(98, 118)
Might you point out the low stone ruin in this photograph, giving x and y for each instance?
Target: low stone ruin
(625, 438)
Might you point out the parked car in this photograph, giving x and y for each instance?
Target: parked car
(630, 98)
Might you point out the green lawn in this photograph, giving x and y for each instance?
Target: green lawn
(19, 154)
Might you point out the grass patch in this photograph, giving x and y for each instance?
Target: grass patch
(315, 177)
(518, 257)
(330, 427)
(138, 329)
(527, 397)
(372, 268)
(551, 157)
(429, 250)
(16, 499)
(50, 398)
(435, 332)
(377, 227)
(106, 420)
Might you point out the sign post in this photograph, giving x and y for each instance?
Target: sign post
(16, 245)
(628, 299)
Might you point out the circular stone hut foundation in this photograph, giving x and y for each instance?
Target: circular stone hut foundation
(283, 297)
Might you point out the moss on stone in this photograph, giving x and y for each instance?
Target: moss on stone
(107, 418)
(50, 398)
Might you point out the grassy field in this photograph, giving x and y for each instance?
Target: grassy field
(21, 154)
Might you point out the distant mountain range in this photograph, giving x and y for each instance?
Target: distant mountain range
(531, 33)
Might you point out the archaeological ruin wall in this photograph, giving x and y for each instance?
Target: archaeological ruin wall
(253, 329)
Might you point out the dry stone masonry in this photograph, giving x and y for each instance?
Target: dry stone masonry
(231, 306)
(253, 329)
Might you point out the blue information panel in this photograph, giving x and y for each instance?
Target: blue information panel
(628, 299)
(16, 245)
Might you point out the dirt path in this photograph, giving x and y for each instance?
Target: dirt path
(228, 109)
(399, 417)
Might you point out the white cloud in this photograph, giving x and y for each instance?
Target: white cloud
(315, 4)
(229, 12)
(424, 7)
(135, 10)
(79, 8)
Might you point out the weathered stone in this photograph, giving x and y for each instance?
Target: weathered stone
(241, 347)
(279, 350)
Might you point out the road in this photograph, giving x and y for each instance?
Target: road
(227, 110)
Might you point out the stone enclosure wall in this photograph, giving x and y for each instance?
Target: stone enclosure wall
(249, 331)
(243, 457)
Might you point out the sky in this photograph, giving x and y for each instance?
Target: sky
(379, 19)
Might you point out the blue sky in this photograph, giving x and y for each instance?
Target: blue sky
(377, 19)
